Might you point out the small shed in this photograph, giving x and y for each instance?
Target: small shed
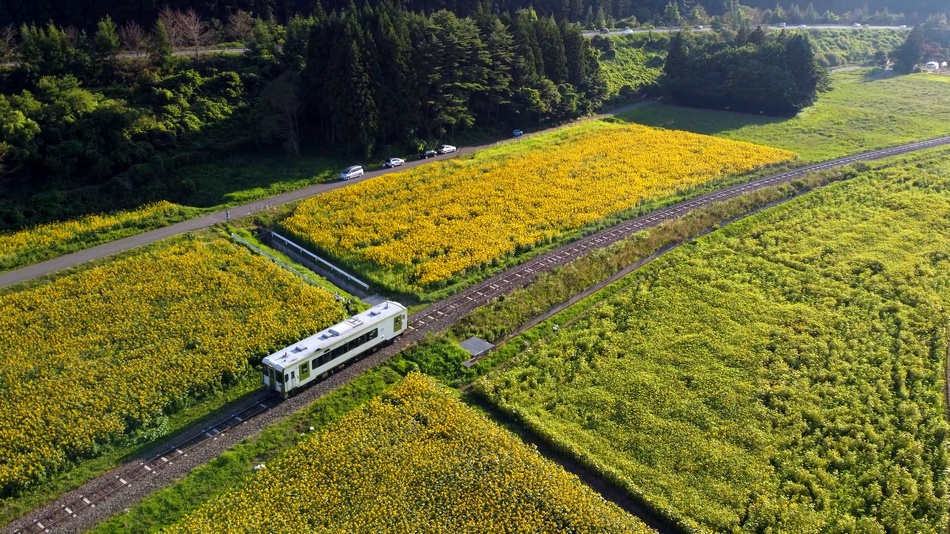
(477, 347)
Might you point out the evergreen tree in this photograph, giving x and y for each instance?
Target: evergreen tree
(757, 36)
(499, 45)
(671, 14)
(160, 47)
(528, 61)
(106, 40)
(105, 47)
(677, 61)
(807, 76)
(294, 50)
(552, 50)
(910, 52)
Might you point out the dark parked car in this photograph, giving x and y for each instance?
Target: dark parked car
(604, 30)
(426, 154)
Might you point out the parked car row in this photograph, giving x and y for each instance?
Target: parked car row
(356, 171)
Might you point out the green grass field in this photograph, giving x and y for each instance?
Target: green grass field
(785, 373)
(862, 112)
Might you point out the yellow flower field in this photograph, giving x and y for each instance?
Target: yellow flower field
(414, 460)
(42, 242)
(436, 221)
(90, 356)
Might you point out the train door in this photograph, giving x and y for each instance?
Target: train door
(277, 380)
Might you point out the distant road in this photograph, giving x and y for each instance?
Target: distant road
(115, 247)
(771, 27)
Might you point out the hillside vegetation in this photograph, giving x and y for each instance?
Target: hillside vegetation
(783, 373)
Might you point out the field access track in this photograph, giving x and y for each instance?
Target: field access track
(121, 488)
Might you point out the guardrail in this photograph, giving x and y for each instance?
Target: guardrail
(311, 255)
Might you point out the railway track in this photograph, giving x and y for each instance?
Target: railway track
(433, 319)
(117, 481)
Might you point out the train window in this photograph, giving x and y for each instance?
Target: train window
(397, 323)
(280, 377)
(374, 333)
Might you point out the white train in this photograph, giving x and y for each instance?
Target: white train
(290, 368)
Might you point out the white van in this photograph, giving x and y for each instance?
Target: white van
(356, 171)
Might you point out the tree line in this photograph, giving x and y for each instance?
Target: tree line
(591, 13)
(377, 76)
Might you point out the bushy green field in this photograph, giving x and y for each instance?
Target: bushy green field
(863, 111)
(783, 374)
(853, 46)
(631, 63)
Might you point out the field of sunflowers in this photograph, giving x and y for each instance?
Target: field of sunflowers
(419, 228)
(46, 241)
(114, 348)
(414, 460)
(783, 374)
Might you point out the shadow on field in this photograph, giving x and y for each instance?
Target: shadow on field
(701, 121)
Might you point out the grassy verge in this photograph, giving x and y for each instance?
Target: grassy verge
(239, 179)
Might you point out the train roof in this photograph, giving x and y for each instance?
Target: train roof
(291, 355)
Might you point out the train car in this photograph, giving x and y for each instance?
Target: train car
(309, 359)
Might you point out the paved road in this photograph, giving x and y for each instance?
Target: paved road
(771, 27)
(128, 243)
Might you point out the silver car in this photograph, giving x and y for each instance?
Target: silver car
(356, 171)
